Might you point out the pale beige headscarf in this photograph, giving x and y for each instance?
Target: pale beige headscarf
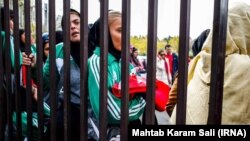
(236, 95)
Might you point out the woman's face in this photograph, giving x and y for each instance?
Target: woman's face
(115, 29)
(135, 53)
(11, 25)
(23, 37)
(46, 49)
(74, 28)
(162, 55)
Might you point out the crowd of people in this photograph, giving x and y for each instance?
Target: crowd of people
(137, 102)
(235, 96)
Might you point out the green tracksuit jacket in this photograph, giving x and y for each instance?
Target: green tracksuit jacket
(12, 51)
(74, 77)
(136, 104)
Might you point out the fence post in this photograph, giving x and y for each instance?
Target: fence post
(218, 61)
(183, 61)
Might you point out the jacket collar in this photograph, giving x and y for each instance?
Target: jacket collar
(111, 58)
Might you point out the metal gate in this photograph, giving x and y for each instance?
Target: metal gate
(8, 72)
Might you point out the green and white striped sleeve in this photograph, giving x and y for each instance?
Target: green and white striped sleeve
(136, 105)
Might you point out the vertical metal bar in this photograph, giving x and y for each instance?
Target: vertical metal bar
(151, 59)
(183, 61)
(218, 61)
(17, 71)
(125, 68)
(104, 68)
(2, 94)
(28, 78)
(84, 70)
(66, 68)
(8, 68)
(52, 63)
(39, 64)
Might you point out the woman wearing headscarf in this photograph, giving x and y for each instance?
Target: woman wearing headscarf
(137, 103)
(196, 48)
(236, 98)
(45, 44)
(74, 87)
(22, 39)
(135, 61)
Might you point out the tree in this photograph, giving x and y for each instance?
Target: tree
(21, 3)
(140, 42)
(174, 42)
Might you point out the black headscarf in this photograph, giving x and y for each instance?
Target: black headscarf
(198, 43)
(75, 46)
(63, 18)
(22, 44)
(45, 39)
(94, 40)
(59, 36)
(75, 52)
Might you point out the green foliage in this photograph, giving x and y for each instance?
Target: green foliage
(174, 42)
(21, 2)
(161, 44)
(140, 42)
(33, 30)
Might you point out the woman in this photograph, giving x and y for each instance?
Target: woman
(236, 98)
(22, 40)
(161, 73)
(137, 103)
(196, 48)
(135, 61)
(45, 38)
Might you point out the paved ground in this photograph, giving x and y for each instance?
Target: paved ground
(162, 118)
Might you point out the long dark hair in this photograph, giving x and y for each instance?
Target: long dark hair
(134, 60)
(22, 44)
